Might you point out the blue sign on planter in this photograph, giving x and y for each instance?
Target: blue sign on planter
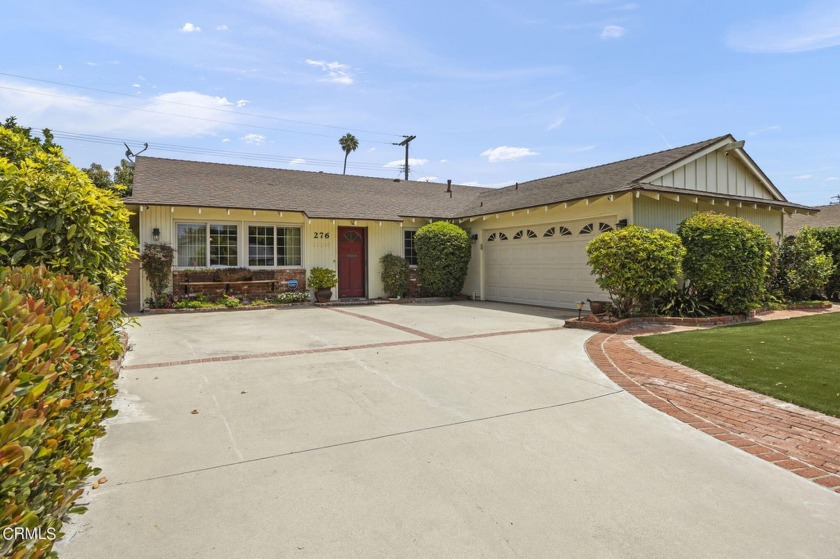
(293, 284)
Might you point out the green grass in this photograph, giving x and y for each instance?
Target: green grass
(795, 360)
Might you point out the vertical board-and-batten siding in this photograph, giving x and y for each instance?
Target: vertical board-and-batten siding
(668, 214)
(715, 173)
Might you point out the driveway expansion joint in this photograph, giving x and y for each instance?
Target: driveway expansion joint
(802, 441)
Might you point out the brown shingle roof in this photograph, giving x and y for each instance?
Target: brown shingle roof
(173, 182)
(829, 216)
(325, 195)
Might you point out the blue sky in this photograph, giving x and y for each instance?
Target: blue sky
(495, 91)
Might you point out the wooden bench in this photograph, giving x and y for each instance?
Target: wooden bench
(227, 284)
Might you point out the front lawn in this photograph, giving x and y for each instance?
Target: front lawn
(795, 360)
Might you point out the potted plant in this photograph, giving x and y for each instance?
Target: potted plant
(322, 280)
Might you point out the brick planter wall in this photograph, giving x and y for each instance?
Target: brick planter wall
(237, 289)
(414, 285)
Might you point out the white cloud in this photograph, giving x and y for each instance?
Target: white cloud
(297, 161)
(471, 183)
(613, 32)
(336, 71)
(506, 153)
(814, 27)
(556, 124)
(584, 148)
(60, 67)
(189, 28)
(241, 103)
(135, 85)
(221, 27)
(253, 139)
(371, 149)
(833, 179)
(225, 140)
(427, 179)
(444, 160)
(802, 177)
(401, 162)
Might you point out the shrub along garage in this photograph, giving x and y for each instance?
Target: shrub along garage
(528, 241)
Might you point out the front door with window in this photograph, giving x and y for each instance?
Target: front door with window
(351, 262)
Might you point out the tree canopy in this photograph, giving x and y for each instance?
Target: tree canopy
(348, 143)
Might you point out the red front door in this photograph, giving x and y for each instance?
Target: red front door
(351, 262)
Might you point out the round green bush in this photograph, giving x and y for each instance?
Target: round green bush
(394, 275)
(726, 260)
(635, 265)
(52, 214)
(443, 255)
(802, 269)
(829, 238)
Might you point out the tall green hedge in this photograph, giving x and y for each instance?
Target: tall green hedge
(57, 337)
(635, 265)
(802, 268)
(726, 260)
(829, 238)
(394, 275)
(52, 214)
(443, 256)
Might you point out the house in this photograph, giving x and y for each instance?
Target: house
(829, 216)
(528, 240)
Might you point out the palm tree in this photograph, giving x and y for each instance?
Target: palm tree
(348, 143)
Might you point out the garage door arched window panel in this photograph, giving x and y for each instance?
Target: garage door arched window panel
(502, 236)
(587, 229)
(492, 237)
(604, 227)
(530, 234)
(550, 232)
(564, 231)
(519, 234)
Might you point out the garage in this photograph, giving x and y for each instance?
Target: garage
(542, 264)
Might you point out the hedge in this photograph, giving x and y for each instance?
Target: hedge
(52, 214)
(635, 265)
(57, 337)
(443, 256)
(394, 275)
(726, 260)
(802, 268)
(829, 238)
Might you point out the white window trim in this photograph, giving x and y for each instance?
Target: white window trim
(415, 229)
(275, 226)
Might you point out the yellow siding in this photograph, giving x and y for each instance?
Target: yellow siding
(718, 173)
(667, 214)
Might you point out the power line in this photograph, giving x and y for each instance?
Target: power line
(212, 152)
(238, 113)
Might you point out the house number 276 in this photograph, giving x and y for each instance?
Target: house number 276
(321, 235)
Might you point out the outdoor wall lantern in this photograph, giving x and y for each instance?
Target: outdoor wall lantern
(579, 308)
(156, 234)
(622, 223)
(474, 237)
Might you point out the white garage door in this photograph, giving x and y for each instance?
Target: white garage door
(542, 265)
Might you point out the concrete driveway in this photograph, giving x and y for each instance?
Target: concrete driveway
(445, 430)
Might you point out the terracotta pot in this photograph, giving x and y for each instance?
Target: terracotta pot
(323, 294)
(597, 307)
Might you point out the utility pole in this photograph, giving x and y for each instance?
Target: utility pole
(405, 143)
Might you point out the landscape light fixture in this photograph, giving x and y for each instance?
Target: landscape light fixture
(579, 308)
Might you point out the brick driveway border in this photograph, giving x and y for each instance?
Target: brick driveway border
(802, 441)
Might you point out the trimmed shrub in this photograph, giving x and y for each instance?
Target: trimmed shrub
(829, 238)
(52, 214)
(802, 267)
(635, 265)
(156, 261)
(57, 337)
(443, 255)
(394, 275)
(726, 260)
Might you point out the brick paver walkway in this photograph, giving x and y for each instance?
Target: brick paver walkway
(802, 441)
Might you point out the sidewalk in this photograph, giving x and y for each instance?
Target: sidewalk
(803, 441)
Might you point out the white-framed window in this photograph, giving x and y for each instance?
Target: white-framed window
(204, 244)
(409, 252)
(274, 245)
